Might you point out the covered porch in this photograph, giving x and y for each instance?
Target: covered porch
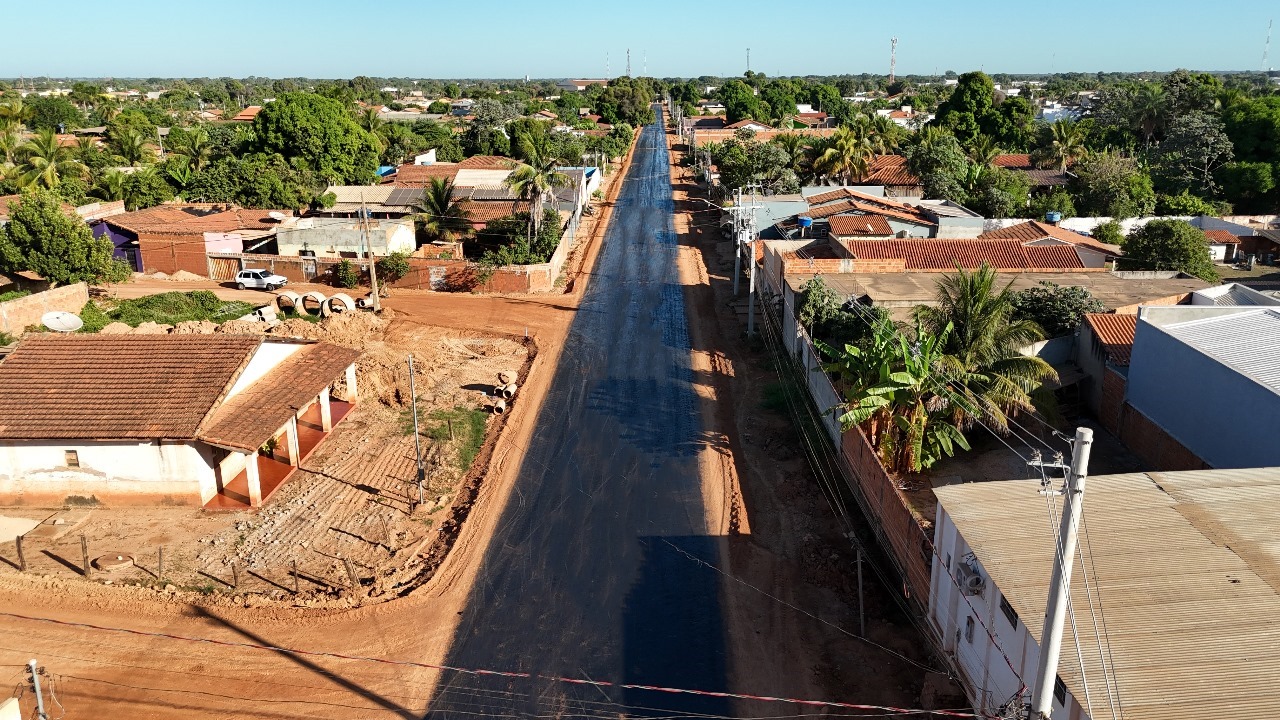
(268, 430)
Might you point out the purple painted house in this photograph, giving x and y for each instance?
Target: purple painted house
(126, 243)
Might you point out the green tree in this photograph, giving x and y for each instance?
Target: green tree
(1057, 200)
(1108, 233)
(130, 146)
(1194, 148)
(54, 113)
(43, 239)
(1250, 186)
(193, 144)
(1058, 309)
(536, 180)
(14, 113)
(847, 155)
(935, 156)
(145, 188)
(44, 162)
(441, 217)
(319, 133)
(1169, 245)
(1066, 145)
(740, 102)
(982, 345)
(1109, 184)
(1184, 203)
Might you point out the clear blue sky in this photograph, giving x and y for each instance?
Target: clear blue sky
(502, 38)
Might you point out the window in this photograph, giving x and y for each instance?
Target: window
(71, 458)
(948, 562)
(1008, 611)
(1060, 691)
(968, 629)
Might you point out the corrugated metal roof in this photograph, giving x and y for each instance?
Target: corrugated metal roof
(1187, 568)
(1246, 341)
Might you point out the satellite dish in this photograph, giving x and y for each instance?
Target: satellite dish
(275, 215)
(60, 321)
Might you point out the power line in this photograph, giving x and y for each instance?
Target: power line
(483, 671)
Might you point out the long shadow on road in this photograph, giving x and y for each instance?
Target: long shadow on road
(587, 575)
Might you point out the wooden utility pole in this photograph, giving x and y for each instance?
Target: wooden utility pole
(1056, 606)
(367, 242)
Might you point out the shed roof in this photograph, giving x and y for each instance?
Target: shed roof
(252, 417)
(1115, 333)
(923, 254)
(421, 175)
(847, 225)
(1221, 237)
(1187, 568)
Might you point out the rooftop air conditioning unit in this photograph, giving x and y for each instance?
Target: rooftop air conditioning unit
(970, 579)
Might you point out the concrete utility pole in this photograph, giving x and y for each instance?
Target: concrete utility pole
(367, 241)
(1056, 606)
(417, 438)
(35, 685)
(751, 258)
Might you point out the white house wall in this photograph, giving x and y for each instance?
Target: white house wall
(267, 356)
(987, 678)
(36, 472)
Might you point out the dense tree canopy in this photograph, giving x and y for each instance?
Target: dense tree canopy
(42, 238)
(321, 134)
(1170, 245)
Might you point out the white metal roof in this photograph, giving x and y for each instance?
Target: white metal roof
(1247, 341)
(1187, 569)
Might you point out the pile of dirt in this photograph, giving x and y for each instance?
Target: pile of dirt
(353, 330)
(297, 328)
(195, 327)
(159, 276)
(152, 328)
(116, 328)
(242, 327)
(184, 276)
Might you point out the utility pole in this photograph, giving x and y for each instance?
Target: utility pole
(737, 237)
(367, 242)
(748, 59)
(35, 685)
(751, 258)
(417, 439)
(1059, 587)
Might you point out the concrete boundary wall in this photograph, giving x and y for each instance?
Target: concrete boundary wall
(16, 315)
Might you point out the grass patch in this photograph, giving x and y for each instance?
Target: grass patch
(468, 429)
(292, 314)
(774, 398)
(168, 308)
(14, 295)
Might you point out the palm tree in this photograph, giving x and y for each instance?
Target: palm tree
(984, 151)
(1149, 110)
(847, 155)
(442, 217)
(795, 146)
(983, 362)
(535, 180)
(9, 144)
(14, 113)
(370, 120)
(43, 161)
(131, 146)
(1068, 143)
(195, 147)
(110, 186)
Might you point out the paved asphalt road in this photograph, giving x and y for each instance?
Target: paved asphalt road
(585, 576)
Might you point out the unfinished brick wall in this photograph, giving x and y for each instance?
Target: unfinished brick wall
(1113, 386)
(1155, 446)
(16, 315)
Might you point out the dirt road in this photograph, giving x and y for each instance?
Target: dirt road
(587, 554)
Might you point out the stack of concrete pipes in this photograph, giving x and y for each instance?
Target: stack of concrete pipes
(315, 303)
(504, 391)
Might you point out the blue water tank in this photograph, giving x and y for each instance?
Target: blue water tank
(805, 221)
(1053, 217)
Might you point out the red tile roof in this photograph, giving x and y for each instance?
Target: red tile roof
(1115, 334)
(252, 417)
(1013, 161)
(890, 171)
(194, 218)
(487, 162)
(422, 175)
(483, 211)
(921, 254)
(847, 225)
(843, 200)
(1221, 237)
(1034, 230)
(115, 387)
(247, 114)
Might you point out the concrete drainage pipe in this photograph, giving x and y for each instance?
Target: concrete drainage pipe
(506, 377)
(312, 303)
(337, 305)
(365, 303)
(288, 300)
(499, 407)
(508, 391)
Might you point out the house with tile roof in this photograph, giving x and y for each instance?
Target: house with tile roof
(218, 421)
(1094, 253)
(1037, 178)
(1222, 245)
(179, 236)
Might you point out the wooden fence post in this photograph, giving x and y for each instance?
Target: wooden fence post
(84, 556)
(22, 559)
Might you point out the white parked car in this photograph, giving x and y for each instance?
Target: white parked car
(259, 280)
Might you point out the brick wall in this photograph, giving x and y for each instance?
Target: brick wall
(1157, 448)
(16, 315)
(1113, 385)
(1179, 299)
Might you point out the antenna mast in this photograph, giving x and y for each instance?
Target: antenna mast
(893, 57)
(748, 59)
(628, 62)
(1266, 49)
